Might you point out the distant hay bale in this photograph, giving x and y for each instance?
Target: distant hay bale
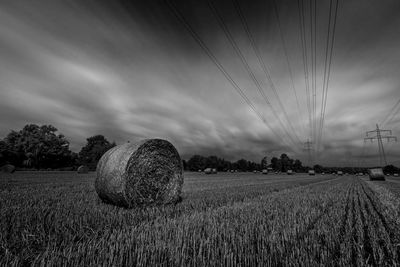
(311, 172)
(8, 168)
(289, 172)
(208, 171)
(264, 171)
(148, 172)
(83, 169)
(214, 171)
(340, 173)
(376, 174)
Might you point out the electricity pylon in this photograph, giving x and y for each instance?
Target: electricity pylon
(379, 135)
(308, 146)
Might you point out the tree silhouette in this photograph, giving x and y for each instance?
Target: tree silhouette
(95, 147)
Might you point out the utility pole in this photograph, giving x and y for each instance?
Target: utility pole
(380, 134)
(308, 146)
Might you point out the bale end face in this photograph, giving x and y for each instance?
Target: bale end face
(148, 172)
(208, 171)
(376, 174)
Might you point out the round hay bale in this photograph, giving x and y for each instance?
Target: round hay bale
(376, 174)
(148, 172)
(208, 171)
(83, 169)
(8, 168)
(214, 171)
(264, 171)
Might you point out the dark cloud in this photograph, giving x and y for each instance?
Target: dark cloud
(130, 70)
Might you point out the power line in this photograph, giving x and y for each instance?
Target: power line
(312, 55)
(389, 117)
(327, 70)
(262, 64)
(208, 52)
(308, 146)
(379, 135)
(249, 70)
(315, 68)
(287, 60)
(300, 6)
(325, 67)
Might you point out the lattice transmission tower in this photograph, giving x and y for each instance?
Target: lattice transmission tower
(379, 134)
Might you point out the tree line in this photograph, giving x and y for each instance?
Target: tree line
(282, 164)
(41, 147)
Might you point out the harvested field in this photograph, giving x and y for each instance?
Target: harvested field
(56, 218)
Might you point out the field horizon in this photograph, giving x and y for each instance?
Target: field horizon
(56, 218)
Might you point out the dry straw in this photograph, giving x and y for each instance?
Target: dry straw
(83, 169)
(376, 174)
(148, 172)
(208, 171)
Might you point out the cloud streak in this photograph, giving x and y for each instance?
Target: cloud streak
(129, 70)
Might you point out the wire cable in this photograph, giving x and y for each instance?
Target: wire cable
(231, 40)
(263, 65)
(300, 6)
(391, 114)
(328, 70)
(208, 52)
(288, 62)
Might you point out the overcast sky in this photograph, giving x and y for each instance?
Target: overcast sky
(132, 70)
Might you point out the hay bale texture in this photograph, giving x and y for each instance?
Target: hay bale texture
(8, 168)
(148, 172)
(83, 169)
(208, 171)
(376, 174)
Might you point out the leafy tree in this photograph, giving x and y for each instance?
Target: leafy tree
(264, 163)
(212, 162)
(275, 163)
(298, 166)
(390, 169)
(95, 147)
(318, 168)
(242, 165)
(286, 163)
(3, 151)
(196, 163)
(37, 147)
